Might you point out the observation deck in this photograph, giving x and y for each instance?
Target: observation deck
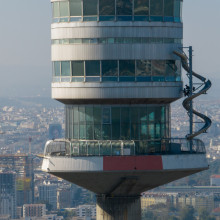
(117, 167)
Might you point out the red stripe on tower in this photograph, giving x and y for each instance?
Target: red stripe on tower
(132, 163)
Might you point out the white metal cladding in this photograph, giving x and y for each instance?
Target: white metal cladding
(72, 164)
(117, 90)
(114, 52)
(188, 161)
(116, 31)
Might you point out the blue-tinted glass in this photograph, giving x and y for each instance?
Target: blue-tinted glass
(109, 67)
(90, 7)
(124, 18)
(77, 68)
(56, 20)
(106, 7)
(76, 131)
(65, 68)
(75, 18)
(56, 9)
(106, 18)
(170, 78)
(115, 115)
(82, 131)
(156, 18)
(124, 7)
(106, 115)
(141, 7)
(177, 19)
(89, 132)
(169, 8)
(126, 79)
(143, 79)
(158, 79)
(77, 79)
(177, 8)
(64, 9)
(106, 132)
(141, 18)
(143, 67)
(75, 8)
(92, 68)
(89, 18)
(97, 112)
(66, 19)
(92, 79)
(126, 67)
(65, 79)
(56, 68)
(97, 132)
(109, 79)
(156, 8)
(168, 19)
(158, 67)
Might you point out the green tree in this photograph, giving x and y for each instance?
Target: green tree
(187, 213)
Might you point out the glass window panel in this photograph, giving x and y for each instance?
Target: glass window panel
(64, 9)
(89, 115)
(65, 68)
(158, 67)
(143, 131)
(135, 131)
(125, 131)
(75, 18)
(93, 79)
(109, 67)
(106, 7)
(116, 130)
(170, 68)
(110, 40)
(89, 18)
(77, 68)
(93, 41)
(75, 41)
(126, 67)
(97, 112)
(82, 118)
(82, 131)
(89, 132)
(93, 68)
(76, 131)
(141, 7)
(143, 114)
(102, 40)
(177, 8)
(106, 18)
(151, 131)
(75, 115)
(106, 132)
(162, 114)
(75, 8)
(89, 7)
(85, 40)
(125, 116)
(97, 132)
(141, 18)
(124, 18)
(143, 68)
(57, 68)
(168, 7)
(156, 7)
(56, 10)
(134, 115)
(151, 113)
(124, 7)
(106, 115)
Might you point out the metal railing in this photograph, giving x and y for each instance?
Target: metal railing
(73, 148)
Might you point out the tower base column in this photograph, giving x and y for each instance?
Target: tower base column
(118, 208)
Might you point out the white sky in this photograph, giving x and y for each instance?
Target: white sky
(25, 66)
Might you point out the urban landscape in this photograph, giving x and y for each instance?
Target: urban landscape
(27, 192)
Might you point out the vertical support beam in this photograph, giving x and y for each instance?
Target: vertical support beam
(118, 208)
(190, 94)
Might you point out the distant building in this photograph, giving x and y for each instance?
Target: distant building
(34, 210)
(55, 131)
(22, 165)
(215, 180)
(8, 195)
(48, 193)
(86, 211)
(64, 198)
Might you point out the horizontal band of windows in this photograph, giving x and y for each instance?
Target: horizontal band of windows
(119, 10)
(118, 79)
(118, 18)
(117, 123)
(123, 70)
(118, 40)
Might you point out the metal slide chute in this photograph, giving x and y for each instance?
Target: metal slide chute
(186, 103)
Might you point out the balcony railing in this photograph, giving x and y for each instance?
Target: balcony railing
(73, 148)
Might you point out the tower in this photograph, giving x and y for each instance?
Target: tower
(115, 71)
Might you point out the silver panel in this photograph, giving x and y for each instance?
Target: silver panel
(121, 90)
(114, 51)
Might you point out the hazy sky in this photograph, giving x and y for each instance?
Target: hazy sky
(25, 66)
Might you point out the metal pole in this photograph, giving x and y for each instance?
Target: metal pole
(190, 94)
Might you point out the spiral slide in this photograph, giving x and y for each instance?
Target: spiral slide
(186, 103)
